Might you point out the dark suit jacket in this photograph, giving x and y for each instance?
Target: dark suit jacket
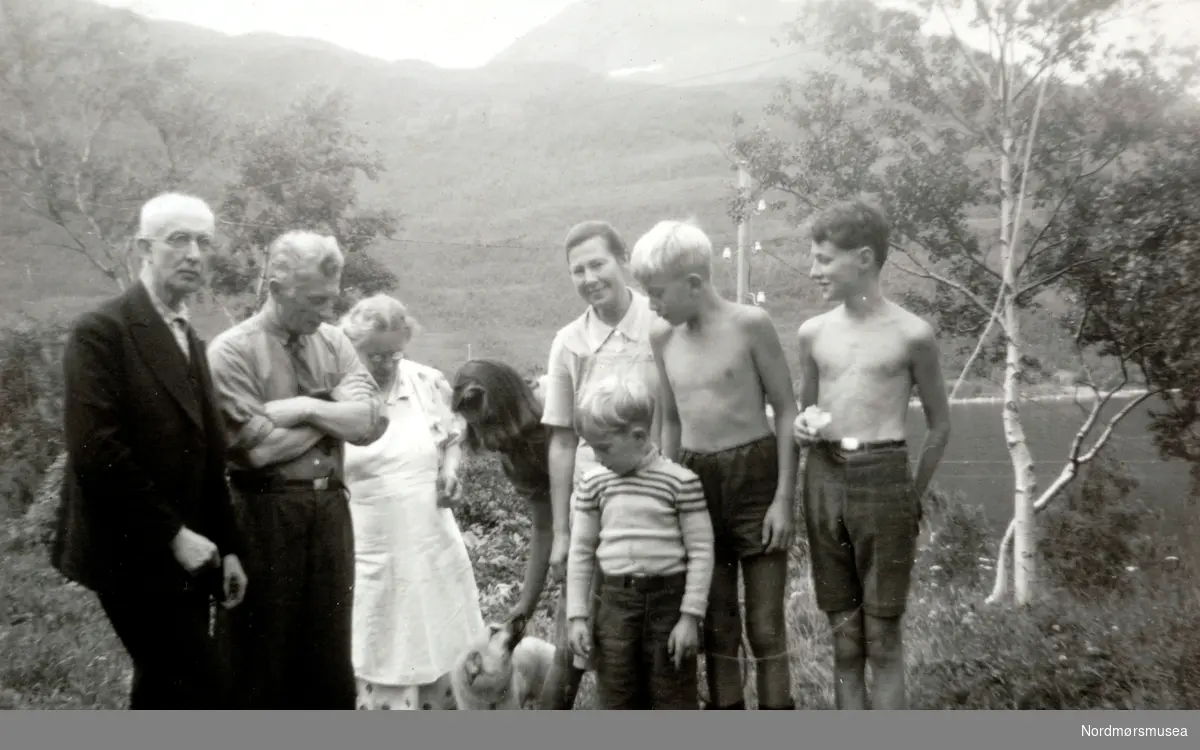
(145, 452)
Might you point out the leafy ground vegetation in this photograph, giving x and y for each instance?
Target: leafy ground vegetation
(1116, 626)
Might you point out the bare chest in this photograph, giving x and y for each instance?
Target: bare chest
(871, 354)
(702, 364)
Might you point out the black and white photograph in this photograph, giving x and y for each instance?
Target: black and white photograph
(603, 355)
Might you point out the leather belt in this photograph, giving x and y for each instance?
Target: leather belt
(857, 446)
(643, 583)
(263, 483)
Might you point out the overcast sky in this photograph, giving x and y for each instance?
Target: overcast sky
(447, 33)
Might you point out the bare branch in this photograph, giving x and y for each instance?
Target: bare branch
(81, 204)
(1069, 472)
(1107, 434)
(1050, 278)
(1124, 355)
(1039, 75)
(992, 321)
(797, 195)
(52, 216)
(1068, 191)
(925, 273)
(984, 81)
(950, 109)
(1049, 61)
(1099, 401)
(1033, 252)
(1030, 137)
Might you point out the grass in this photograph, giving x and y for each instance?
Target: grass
(1135, 646)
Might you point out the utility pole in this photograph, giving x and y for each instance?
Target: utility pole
(743, 234)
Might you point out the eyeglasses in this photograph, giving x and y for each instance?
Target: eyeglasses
(382, 358)
(181, 239)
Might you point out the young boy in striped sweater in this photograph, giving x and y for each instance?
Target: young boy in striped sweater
(643, 520)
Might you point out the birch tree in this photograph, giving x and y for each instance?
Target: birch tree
(974, 140)
(93, 122)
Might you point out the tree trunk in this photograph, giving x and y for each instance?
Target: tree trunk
(1024, 479)
(1068, 474)
(127, 263)
(261, 286)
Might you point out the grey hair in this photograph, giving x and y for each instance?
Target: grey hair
(158, 210)
(378, 313)
(303, 251)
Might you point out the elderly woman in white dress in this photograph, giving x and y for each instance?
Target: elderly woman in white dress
(416, 605)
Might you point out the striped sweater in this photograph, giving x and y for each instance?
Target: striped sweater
(652, 521)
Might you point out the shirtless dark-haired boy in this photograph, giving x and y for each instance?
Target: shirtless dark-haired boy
(720, 363)
(859, 363)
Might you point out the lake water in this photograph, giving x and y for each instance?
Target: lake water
(976, 462)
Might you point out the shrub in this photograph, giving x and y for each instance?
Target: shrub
(1093, 533)
(490, 501)
(958, 549)
(31, 391)
(35, 529)
(496, 526)
(1062, 653)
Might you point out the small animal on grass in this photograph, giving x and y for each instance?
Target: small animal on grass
(504, 672)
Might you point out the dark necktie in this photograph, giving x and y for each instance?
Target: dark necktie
(305, 381)
(180, 325)
(307, 384)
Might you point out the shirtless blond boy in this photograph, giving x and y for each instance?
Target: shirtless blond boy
(859, 363)
(719, 363)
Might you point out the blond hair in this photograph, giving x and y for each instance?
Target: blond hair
(673, 249)
(615, 404)
(378, 313)
(303, 251)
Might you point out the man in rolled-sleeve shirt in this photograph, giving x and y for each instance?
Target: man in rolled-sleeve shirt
(292, 391)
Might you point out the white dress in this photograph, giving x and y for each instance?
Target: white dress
(416, 604)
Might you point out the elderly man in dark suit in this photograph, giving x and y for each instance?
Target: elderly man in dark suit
(146, 519)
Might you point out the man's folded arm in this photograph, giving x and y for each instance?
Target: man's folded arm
(356, 414)
(253, 439)
(281, 445)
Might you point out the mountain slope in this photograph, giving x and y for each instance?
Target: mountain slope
(661, 41)
(489, 168)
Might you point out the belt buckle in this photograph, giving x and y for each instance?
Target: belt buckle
(852, 445)
(320, 484)
(640, 584)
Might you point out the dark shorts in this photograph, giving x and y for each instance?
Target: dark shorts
(739, 485)
(863, 516)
